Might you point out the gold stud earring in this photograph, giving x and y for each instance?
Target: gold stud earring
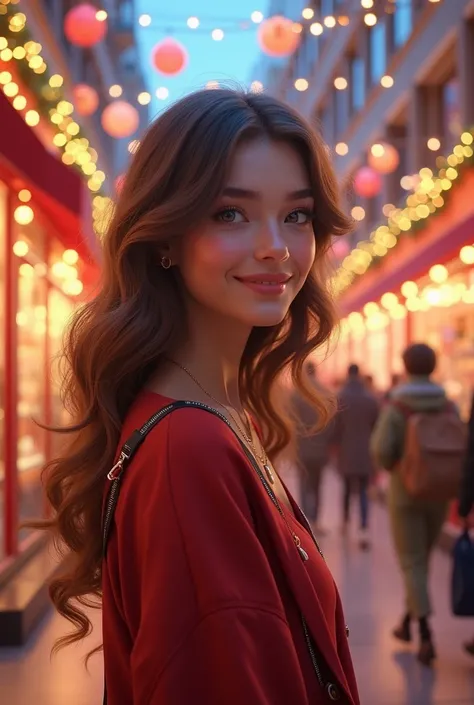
(166, 262)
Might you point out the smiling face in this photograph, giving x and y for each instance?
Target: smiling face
(248, 260)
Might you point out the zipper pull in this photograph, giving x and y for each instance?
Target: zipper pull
(116, 471)
(303, 555)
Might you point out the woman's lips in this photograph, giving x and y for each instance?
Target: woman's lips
(266, 284)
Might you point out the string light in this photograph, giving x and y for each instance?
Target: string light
(162, 93)
(256, 17)
(340, 83)
(256, 87)
(217, 35)
(144, 98)
(342, 149)
(434, 144)
(387, 81)
(330, 21)
(308, 13)
(115, 91)
(301, 84)
(316, 28)
(370, 19)
(144, 20)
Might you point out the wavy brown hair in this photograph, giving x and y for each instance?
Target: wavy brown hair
(118, 339)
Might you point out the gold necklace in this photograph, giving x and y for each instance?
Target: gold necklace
(248, 437)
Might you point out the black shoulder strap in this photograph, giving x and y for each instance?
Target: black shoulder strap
(127, 452)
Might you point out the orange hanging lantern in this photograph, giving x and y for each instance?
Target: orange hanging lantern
(120, 119)
(367, 182)
(86, 99)
(81, 26)
(384, 158)
(169, 57)
(279, 36)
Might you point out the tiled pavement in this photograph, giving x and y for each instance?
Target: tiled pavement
(370, 587)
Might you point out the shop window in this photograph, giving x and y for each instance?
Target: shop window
(378, 52)
(402, 22)
(60, 309)
(451, 108)
(3, 223)
(32, 381)
(357, 83)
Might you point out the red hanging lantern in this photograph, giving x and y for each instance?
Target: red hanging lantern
(279, 36)
(169, 57)
(86, 99)
(384, 158)
(367, 182)
(120, 119)
(81, 26)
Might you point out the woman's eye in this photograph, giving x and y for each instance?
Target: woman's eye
(230, 215)
(299, 217)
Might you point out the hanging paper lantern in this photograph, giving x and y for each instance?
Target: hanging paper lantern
(367, 182)
(82, 27)
(383, 158)
(278, 36)
(340, 248)
(120, 119)
(86, 99)
(169, 57)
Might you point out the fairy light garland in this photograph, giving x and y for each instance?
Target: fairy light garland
(17, 47)
(428, 198)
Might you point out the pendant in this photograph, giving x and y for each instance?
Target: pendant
(303, 555)
(269, 473)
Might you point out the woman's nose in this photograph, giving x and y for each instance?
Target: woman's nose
(270, 243)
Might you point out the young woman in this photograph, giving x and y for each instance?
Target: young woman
(212, 587)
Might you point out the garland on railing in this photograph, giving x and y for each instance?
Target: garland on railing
(428, 199)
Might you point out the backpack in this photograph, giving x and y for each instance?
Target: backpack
(435, 447)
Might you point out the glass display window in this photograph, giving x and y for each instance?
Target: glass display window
(3, 225)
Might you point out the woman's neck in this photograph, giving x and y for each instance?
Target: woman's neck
(205, 367)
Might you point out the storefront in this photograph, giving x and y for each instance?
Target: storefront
(47, 266)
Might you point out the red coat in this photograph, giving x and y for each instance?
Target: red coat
(203, 587)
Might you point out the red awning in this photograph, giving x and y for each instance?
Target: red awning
(59, 190)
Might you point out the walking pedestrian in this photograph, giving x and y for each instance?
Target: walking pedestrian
(466, 497)
(312, 451)
(357, 413)
(213, 588)
(415, 523)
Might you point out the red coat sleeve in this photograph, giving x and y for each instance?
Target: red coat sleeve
(211, 625)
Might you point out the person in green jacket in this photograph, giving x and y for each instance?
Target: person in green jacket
(415, 524)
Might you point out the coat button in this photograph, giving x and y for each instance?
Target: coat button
(333, 692)
(347, 631)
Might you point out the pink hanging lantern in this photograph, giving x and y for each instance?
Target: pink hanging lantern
(340, 248)
(169, 57)
(384, 158)
(86, 99)
(367, 182)
(120, 119)
(278, 36)
(81, 26)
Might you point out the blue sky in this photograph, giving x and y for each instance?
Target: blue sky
(232, 59)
